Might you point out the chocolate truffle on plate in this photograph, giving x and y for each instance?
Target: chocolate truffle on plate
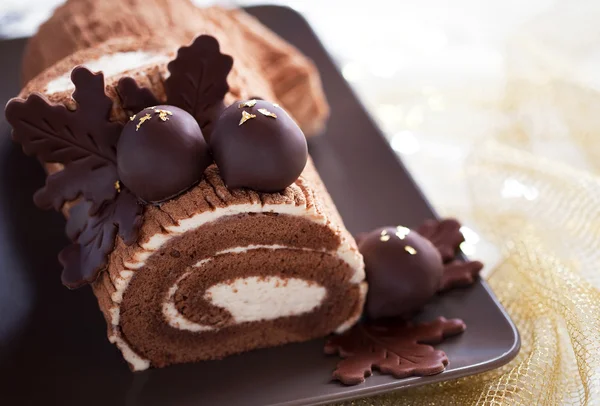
(161, 152)
(404, 271)
(257, 145)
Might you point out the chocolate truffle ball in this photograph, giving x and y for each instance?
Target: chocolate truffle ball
(161, 153)
(257, 145)
(404, 271)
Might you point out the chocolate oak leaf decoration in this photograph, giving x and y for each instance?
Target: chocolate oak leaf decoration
(444, 234)
(134, 98)
(94, 237)
(394, 347)
(198, 80)
(84, 141)
(459, 273)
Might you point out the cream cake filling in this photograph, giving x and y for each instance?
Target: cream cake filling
(155, 242)
(256, 299)
(137, 363)
(111, 64)
(249, 299)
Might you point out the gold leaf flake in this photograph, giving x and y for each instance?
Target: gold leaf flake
(162, 114)
(384, 236)
(142, 120)
(245, 117)
(249, 103)
(402, 232)
(410, 250)
(118, 186)
(267, 113)
(275, 104)
(132, 118)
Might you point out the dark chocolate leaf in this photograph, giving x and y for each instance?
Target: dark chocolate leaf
(84, 141)
(198, 81)
(134, 98)
(394, 347)
(444, 234)
(94, 237)
(459, 273)
(93, 180)
(90, 96)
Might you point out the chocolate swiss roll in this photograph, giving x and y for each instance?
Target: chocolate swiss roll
(190, 259)
(219, 271)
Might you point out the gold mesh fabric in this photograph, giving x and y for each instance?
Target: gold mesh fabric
(548, 281)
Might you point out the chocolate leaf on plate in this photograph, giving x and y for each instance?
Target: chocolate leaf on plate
(198, 80)
(94, 237)
(84, 141)
(393, 346)
(444, 234)
(134, 98)
(459, 273)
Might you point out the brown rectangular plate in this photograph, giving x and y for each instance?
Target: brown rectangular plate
(53, 346)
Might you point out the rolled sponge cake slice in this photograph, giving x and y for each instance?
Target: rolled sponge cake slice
(219, 271)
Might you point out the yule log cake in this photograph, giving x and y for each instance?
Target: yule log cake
(219, 271)
(190, 259)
